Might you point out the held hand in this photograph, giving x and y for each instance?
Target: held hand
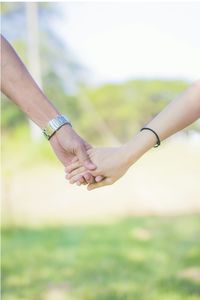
(68, 145)
(111, 163)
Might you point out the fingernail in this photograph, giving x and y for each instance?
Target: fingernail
(98, 178)
(90, 166)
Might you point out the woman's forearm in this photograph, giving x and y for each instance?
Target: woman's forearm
(18, 85)
(180, 113)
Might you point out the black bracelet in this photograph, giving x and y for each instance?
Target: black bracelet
(158, 139)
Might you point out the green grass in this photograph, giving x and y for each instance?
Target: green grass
(136, 258)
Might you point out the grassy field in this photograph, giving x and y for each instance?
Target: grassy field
(141, 258)
(134, 258)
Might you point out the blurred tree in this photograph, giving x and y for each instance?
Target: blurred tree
(109, 112)
(57, 62)
(61, 74)
(127, 106)
(33, 54)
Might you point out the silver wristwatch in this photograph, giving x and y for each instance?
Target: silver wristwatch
(54, 125)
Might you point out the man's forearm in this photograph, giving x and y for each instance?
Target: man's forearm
(18, 85)
(180, 113)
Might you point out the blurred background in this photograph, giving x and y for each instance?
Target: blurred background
(110, 67)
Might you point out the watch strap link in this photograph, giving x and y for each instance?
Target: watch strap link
(54, 125)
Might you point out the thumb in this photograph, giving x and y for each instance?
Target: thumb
(85, 159)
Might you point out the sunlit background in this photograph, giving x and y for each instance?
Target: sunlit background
(110, 67)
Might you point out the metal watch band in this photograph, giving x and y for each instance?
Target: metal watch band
(54, 125)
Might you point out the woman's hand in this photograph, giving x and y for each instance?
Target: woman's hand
(112, 163)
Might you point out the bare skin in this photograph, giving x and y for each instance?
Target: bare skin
(112, 163)
(18, 85)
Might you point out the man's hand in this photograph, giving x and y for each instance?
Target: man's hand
(68, 145)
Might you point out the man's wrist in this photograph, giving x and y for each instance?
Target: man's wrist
(54, 125)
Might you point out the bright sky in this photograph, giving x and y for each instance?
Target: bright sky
(119, 41)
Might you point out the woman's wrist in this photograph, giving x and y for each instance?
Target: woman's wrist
(138, 145)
